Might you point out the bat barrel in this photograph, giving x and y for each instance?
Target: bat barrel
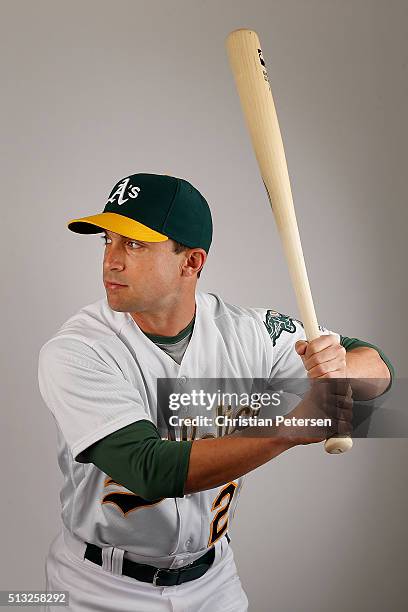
(252, 82)
(254, 90)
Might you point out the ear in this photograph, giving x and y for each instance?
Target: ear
(193, 262)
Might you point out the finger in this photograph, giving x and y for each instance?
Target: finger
(320, 343)
(328, 369)
(327, 354)
(333, 384)
(300, 347)
(344, 428)
(341, 423)
(339, 384)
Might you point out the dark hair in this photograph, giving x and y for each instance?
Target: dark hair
(179, 248)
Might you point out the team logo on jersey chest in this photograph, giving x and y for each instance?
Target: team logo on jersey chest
(276, 322)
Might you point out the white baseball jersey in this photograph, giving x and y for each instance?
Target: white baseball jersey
(99, 372)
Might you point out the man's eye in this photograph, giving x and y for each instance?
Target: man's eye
(135, 244)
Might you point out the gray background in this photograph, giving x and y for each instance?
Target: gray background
(93, 91)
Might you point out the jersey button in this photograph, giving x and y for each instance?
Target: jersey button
(183, 380)
(188, 543)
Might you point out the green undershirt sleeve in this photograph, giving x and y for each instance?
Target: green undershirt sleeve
(352, 343)
(136, 457)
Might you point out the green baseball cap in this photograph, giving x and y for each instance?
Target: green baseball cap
(153, 208)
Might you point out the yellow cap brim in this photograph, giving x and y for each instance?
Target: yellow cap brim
(115, 223)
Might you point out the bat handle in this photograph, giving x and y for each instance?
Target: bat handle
(335, 444)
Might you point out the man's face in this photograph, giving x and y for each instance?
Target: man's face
(150, 272)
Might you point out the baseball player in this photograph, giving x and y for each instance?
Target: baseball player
(146, 513)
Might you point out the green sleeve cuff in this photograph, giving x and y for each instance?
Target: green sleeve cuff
(352, 343)
(183, 463)
(136, 457)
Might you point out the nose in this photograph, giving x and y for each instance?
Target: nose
(113, 258)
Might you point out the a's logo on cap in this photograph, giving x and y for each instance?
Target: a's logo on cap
(124, 188)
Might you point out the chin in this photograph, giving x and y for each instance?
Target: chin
(122, 306)
(116, 304)
(118, 308)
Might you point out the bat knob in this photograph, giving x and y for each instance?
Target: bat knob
(336, 445)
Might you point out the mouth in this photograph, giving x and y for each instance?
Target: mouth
(114, 286)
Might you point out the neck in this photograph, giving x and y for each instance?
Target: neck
(169, 322)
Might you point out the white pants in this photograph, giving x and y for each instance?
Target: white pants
(92, 588)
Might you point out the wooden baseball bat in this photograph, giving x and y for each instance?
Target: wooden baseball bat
(251, 78)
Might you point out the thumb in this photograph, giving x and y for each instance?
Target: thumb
(300, 347)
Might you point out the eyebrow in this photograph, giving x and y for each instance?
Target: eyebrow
(105, 233)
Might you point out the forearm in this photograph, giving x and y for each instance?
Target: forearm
(153, 468)
(214, 462)
(365, 363)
